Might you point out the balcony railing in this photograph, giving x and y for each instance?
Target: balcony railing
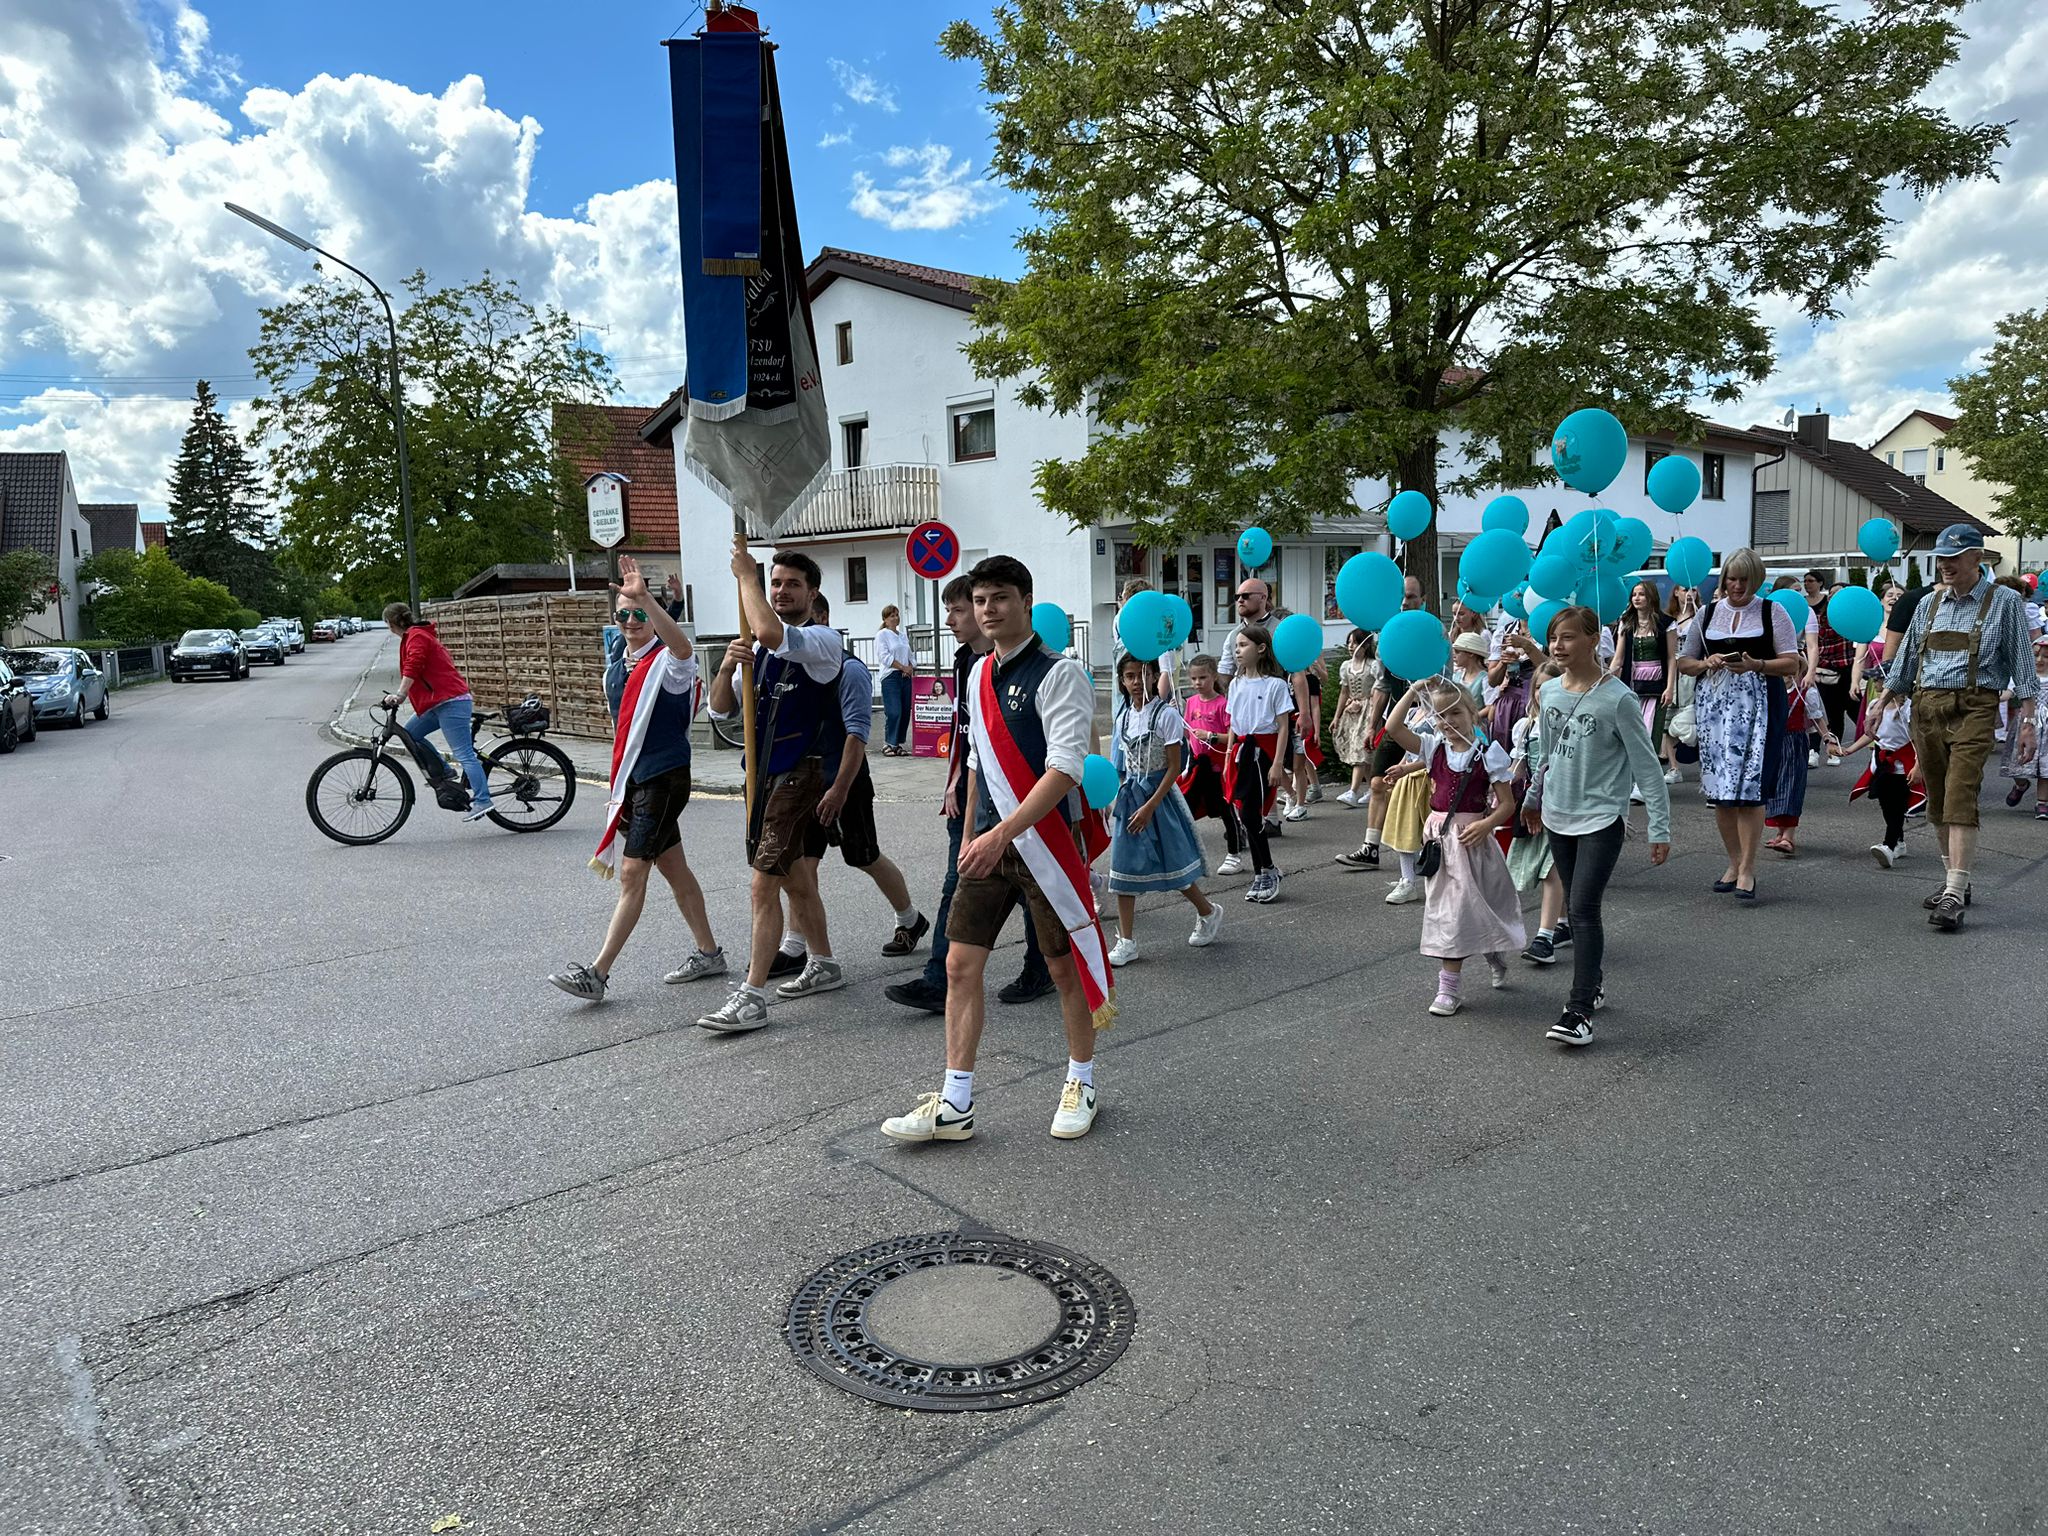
(876, 498)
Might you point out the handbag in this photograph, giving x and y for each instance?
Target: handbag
(1431, 859)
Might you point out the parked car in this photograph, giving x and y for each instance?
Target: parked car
(17, 711)
(208, 653)
(294, 631)
(263, 645)
(64, 683)
(326, 629)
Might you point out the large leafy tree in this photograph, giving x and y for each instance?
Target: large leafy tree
(219, 527)
(1287, 244)
(150, 597)
(2003, 420)
(25, 580)
(482, 368)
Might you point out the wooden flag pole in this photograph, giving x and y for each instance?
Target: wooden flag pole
(744, 677)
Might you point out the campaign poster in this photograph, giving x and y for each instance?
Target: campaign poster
(931, 716)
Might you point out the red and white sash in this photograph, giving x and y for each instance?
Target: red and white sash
(629, 734)
(1048, 848)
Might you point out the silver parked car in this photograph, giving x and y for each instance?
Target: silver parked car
(17, 711)
(64, 684)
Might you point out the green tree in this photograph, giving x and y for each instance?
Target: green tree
(482, 367)
(2002, 421)
(25, 581)
(150, 597)
(219, 527)
(1283, 247)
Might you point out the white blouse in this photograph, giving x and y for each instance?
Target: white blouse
(891, 646)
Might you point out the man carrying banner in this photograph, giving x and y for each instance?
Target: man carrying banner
(654, 689)
(1031, 714)
(797, 730)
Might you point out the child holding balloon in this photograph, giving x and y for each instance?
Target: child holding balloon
(1261, 714)
(1207, 715)
(1153, 845)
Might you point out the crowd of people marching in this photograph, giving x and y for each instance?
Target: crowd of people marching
(1510, 774)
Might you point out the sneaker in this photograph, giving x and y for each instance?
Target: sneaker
(1076, 1112)
(1599, 997)
(1570, 1029)
(786, 964)
(1032, 984)
(1265, 887)
(2017, 793)
(1367, 857)
(1883, 855)
(1673, 776)
(1232, 864)
(1315, 794)
(1833, 761)
(1635, 795)
(907, 939)
(1205, 928)
(933, 1119)
(1813, 759)
(1404, 892)
(1297, 812)
(697, 967)
(1935, 900)
(1346, 798)
(479, 812)
(1561, 935)
(1947, 912)
(1273, 827)
(1445, 1004)
(920, 994)
(1496, 971)
(818, 976)
(1541, 951)
(580, 981)
(738, 1014)
(2041, 810)
(1123, 951)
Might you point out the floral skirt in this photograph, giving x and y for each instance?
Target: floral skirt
(1349, 738)
(1166, 856)
(1741, 722)
(1469, 906)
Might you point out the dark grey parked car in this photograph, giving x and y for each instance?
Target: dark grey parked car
(17, 711)
(263, 645)
(64, 683)
(208, 653)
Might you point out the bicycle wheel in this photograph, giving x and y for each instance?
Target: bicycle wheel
(359, 797)
(532, 784)
(732, 731)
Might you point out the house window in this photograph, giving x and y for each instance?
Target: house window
(1713, 477)
(974, 432)
(1914, 462)
(1650, 457)
(857, 578)
(842, 333)
(1890, 459)
(853, 437)
(1940, 458)
(74, 543)
(1334, 556)
(1771, 520)
(1129, 563)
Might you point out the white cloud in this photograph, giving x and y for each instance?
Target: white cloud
(939, 193)
(831, 140)
(862, 88)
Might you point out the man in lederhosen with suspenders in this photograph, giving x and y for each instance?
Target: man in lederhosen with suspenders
(1966, 643)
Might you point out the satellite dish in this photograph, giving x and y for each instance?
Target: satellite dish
(1790, 418)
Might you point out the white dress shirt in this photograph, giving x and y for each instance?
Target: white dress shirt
(1066, 710)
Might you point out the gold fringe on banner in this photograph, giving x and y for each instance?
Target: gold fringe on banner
(721, 266)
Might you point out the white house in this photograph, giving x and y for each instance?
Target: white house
(39, 511)
(917, 435)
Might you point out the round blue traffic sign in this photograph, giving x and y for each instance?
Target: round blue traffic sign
(933, 550)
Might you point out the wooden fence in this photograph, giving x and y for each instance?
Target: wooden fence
(550, 644)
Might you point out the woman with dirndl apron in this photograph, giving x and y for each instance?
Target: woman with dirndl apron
(1741, 648)
(1646, 658)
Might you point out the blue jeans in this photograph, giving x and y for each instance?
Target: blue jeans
(935, 964)
(895, 708)
(451, 718)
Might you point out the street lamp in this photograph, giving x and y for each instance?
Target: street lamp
(412, 574)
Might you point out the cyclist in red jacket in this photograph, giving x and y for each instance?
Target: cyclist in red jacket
(439, 697)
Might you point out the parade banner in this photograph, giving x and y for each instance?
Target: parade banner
(931, 717)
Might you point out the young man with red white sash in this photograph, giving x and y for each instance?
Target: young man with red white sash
(1031, 717)
(654, 689)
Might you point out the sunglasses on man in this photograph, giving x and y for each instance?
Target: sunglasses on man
(631, 615)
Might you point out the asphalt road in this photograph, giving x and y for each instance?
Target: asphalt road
(321, 1212)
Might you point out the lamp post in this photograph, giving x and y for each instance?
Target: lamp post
(412, 574)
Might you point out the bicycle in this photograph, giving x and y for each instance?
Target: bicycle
(363, 795)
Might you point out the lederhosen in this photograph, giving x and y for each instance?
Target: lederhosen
(1940, 715)
(1759, 647)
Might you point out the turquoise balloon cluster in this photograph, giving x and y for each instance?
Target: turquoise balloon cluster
(1586, 562)
(1153, 623)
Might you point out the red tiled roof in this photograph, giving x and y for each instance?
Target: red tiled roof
(153, 535)
(957, 289)
(1938, 422)
(597, 438)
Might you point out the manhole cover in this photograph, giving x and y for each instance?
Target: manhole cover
(951, 1322)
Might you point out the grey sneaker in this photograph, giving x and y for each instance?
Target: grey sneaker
(741, 1012)
(479, 812)
(580, 981)
(697, 967)
(818, 976)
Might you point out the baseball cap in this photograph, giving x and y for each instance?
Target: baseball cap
(1960, 539)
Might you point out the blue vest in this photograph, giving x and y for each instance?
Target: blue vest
(667, 743)
(794, 717)
(1016, 684)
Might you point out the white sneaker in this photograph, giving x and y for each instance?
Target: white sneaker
(1813, 759)
(1497, 971)
(738, 1014)
(1297, 812)
(581, 981)
(1885, 856)
(933, 1119)
(1076, 1112)
(1404, 892)
(816, 976)
(1205, 928)
(1232, 864)
(697, 967)
(1345, 797)
(1123, 951)
(1673, 776)
(1635, 795)
(1445, 1004)
(1834, 762)
(1315, 794)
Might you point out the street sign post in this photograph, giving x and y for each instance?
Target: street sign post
(605, 494)
(932, 550)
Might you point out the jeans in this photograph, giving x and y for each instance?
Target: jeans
(935, 964)
(1585, 863)
(451, 718)
(895, 708)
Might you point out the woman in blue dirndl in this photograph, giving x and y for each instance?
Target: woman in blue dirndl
(1153, 844)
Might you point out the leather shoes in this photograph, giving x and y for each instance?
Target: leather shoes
(1026, 987)
(917, 993)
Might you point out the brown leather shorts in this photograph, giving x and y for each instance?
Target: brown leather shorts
(1954, 733)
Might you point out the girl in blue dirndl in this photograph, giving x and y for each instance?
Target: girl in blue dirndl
(1153, 844)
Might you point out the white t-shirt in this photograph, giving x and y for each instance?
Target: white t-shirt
(1163, 720)
(1498, 764)
(1895, 726)
(1257, 703)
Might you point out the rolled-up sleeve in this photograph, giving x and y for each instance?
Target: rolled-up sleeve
(856, 700)
(1066, 712)
(816, 648)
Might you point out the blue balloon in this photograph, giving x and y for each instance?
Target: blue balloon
(1297, 642)
(1793, 601)
(1254, 548)
(1581, 537)
(1632, 544)
(1605, 594)
(1688, 560)
(1674, 482)
(1541, 615)
(1369, 590)
(1098, 781)
(1509, 512)
(1053, 626)
(1515, 602)
(1588, 450)
(1493, 563)
(1878, 539)
(1145, 625)
(1554, 574)
(1182, 613)
(1413, 645)
(1408, 514)
(1855, 614)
